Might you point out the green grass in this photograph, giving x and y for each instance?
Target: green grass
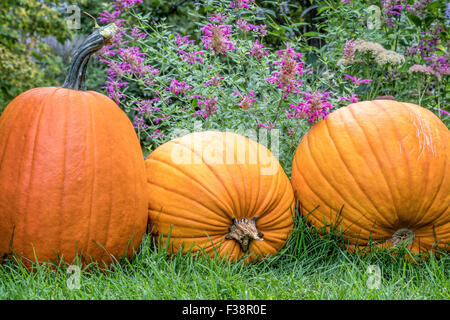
(309, 267)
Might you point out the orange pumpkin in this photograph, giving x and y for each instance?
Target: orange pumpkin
(378, 171)
(72, 174)
(219, 192)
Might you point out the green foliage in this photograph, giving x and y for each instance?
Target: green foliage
(417, 36)
(25, 61)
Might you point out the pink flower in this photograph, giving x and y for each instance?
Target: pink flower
(258, 51)
(349, 50)
(191, 57)
(145, 107)
(139, 123)
(156, 134)
(106, 17)
(446, 112)
(137, 34)
(219, 18)
(357, 81)
(214, 81)
(290, 68)
(125, 4)
(177, 87)
(243, 25)
(132, 59)
(236, 4)
(208, 107)
(162, 118)
(269, 126)
(263, 30)
(216, 38)
(314, 108)
(179, 41)
(353, 99)
(113, 89)
(246, 101)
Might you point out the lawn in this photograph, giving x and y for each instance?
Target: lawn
(309, 267)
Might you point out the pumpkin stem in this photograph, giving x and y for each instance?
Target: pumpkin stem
(76, 75)
(403, 235)
(244, 231)
(96, 26)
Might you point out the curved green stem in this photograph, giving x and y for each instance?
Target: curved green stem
(76, 75)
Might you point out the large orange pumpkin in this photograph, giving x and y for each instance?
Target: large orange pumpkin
(378, 171)
(219, 192)
(72, 174)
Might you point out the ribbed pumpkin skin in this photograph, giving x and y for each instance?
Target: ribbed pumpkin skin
(387, 164)
(195, 202)
(72, 177)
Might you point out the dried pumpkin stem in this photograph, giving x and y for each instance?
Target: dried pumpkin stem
(403, 235)
(76, 75)
(244, 231)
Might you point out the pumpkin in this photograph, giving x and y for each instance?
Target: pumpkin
(379, 172)
(72, 173)
(218, 193)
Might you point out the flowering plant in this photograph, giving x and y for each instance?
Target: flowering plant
(227, 75)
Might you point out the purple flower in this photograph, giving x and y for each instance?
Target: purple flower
(428, 44)
(439, 64)
(246, 101)
(447, 13)
(125, 4)
(290, 68)
(208, 107)
(214, 81)
(219, 18)
(113, 89)
(315, 107)
(216, 38)
(258, 50)
(179, 41)
(353, 99)
(133, 61)
(106, 17)
(284, 7)
(418, 7)
(156, 134)
(145, 107)
(392, 9)
(349, 50)
(137, 34)
(357, 81)
(139, 123)
(177, 87)
(263, 30)
(162, 118)
(236, 4)
(269, 125)
(191, 57)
